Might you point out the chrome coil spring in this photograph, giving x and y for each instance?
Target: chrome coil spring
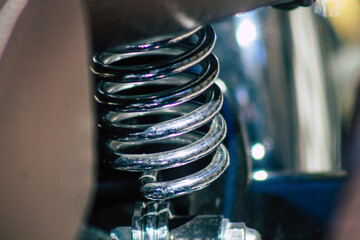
(162, 93)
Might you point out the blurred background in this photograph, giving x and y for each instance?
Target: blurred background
(293, 80)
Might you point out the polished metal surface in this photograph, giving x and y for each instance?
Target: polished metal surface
(152, 221)
(318, 123)
(294, 76)
(168, 101)
(275, 66)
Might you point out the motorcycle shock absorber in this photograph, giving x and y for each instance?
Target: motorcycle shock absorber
(162, 92)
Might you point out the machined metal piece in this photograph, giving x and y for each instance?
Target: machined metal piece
(155, 221)
(162, 95)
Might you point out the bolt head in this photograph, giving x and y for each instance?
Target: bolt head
(238, 231)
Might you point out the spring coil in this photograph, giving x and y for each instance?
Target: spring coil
(162, 93)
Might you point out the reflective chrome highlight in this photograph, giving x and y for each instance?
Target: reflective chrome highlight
(312, 103)
(162, 95)
(246, 33)
(282, 84)
(258, 151)
(260, 175)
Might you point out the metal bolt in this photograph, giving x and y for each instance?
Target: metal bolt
(230, 231)
(238, 231)
(151, 221)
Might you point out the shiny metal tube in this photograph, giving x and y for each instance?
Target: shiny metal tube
(279, 77)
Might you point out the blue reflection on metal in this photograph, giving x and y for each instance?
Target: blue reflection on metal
(314, 195)
(231, 145)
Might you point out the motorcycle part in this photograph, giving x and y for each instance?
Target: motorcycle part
(162, 93)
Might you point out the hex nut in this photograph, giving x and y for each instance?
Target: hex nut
(238, 231)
